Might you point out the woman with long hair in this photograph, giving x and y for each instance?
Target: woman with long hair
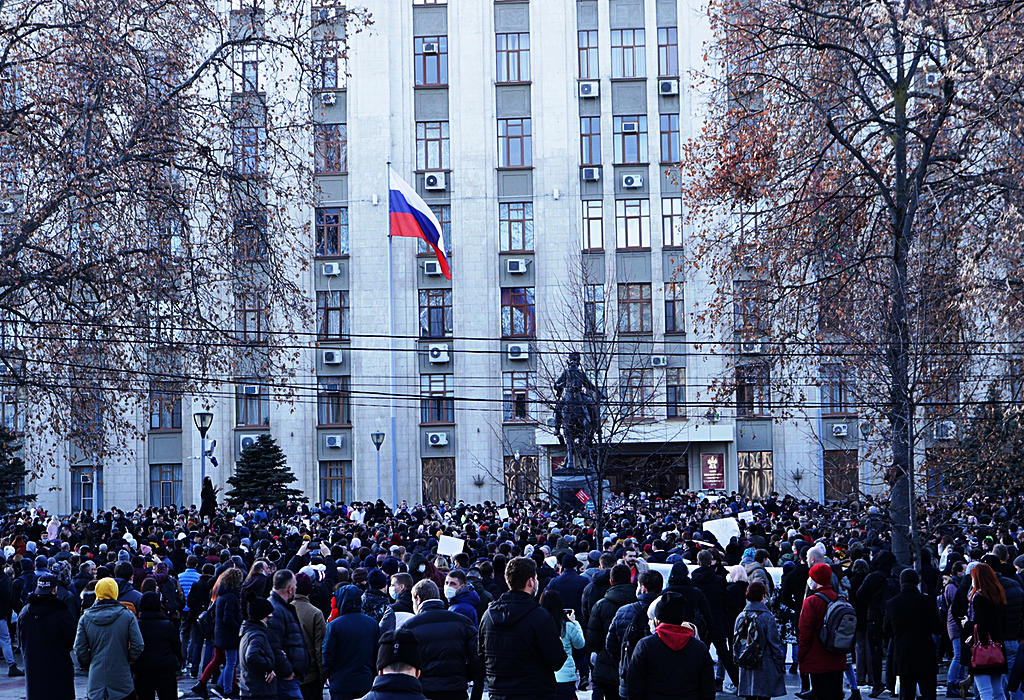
(572, 638)
(227, 623)
(986, 615)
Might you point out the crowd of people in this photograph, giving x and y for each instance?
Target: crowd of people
(534, 602)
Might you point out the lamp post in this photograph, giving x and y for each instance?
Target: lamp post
(378, 440)
(203, 421)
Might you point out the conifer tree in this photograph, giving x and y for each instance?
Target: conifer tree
(262, 476)
(12, 473)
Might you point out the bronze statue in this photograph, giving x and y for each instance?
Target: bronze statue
(577, 410)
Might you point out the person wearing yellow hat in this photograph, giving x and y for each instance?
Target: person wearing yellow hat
(107, 642)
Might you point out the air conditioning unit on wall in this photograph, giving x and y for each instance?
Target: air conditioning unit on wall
(437, 439)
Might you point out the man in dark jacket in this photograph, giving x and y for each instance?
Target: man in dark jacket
(709, 578)
(697, 611)
(606, 665)
(350, 646)
(399, 668)
(570, 584)
(871, 597)
(598, 586)
(7, 606)
(256, 656)
(672, 662)
(286, 635)
(46, 634)
(911, 619)
(447, 643)
(198, 600)
(156, 669)
(648, 589)
(375, 600)
(401, 591)
(520, 643)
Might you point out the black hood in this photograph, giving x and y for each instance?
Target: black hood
(680, 575)
(510, 608)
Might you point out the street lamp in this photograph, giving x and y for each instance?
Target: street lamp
(203, 421)
(378, 440)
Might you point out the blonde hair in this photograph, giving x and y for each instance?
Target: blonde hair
(738, 573)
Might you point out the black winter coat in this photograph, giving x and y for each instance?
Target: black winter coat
(256, 658)
(199, 596)
(521, 647)
(162, 652)
(1012, 624)
(286, 635)
(570, 586)
(448, 648)
(606, 669)
(711, 582)
(6, 604)
(396, 686)
(46, 633)
(594, 592)
(658, 673)
(911, 619)
(228, 620)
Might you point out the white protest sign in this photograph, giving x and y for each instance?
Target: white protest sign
(747, 515)
(776, 573)
(503, 513)
(449, 546)
(723, 529)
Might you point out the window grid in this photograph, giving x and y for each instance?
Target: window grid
(518, 312)
(329, 69)
(628, 53)
(443, 212)
(635, 308)
(431, 69)
(593, 224)
(250, 234)
(331, 232)
(436, 402)
(246, 69)
(250, 318)
(516, 390)
(513, 58)
(164, 410)
(590, 140)
(332, 315)
(675, 308)
(593, 309)
(247, 147)
(86, 488)
(432, 145)
(632, 223)
(330, 149)
(336, 475)
(435, 313)
(669, 138)
(629, 138)
(748, 303)
(10, 416)
(636, 391)
(834, 389)
(588, 54)
(672, 222)
(165, 485)
(668, 52)
(333, 402)
(753, 390)
(515, 143)
(515, 226)
(251, 410)
(675, 392)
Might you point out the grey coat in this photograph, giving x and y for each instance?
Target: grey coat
(768, 680)
(108, 641)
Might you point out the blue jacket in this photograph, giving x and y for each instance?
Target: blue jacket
(185, 580)
(570, 586)
(465, 603)
(350, 646)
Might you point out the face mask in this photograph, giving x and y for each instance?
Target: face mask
(450, 592)
(422, 568)
(393, 592)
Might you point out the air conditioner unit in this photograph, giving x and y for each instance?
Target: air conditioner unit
(328, 98)
(632, 182)
(591, 174)
(750, 347)
(334, 442)
(659, 361)
(7, 206)
(668, 87)
(435, 181)
(438, 354)
(251, 389)
(515, 266)
(518, 351)
(323, 15)
(245, 442)
(945, 430)
(630, 127)
(432, 268)
(10, 398)
(431, 47)
(333, 357)
(331, 269)
(840, 430)
(589, 88)
(932, 79)
(437, 439)
(332, 388)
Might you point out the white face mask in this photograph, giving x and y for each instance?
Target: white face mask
(450, 592)
(393, 592)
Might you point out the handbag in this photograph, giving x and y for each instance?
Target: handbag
(986, 655)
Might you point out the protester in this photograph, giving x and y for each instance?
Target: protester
(571, 635)
(108, 640)
(763, 677)
(156, 669)
(606, 664)
(987, 606)
(913, 623)
(256, 657)
(630, 624)
(8, 602)
(314, 628)
(286, 636)
(227, 623)
(460, 595)
(46, 635)
(350, 647)
(824, 667)
(398, 663)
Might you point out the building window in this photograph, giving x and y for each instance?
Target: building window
(835, 390)
(628, 53)
(164, 409)
(518, 312)
(668, 52)
(10, 417)
(332, 315)
(329, 70)
(515, 395)
(250, 233)
(635, 308)
(593, 309)
(513, 57)
(672, 222)
(330, 148)
(443, 212)
(515, 226)
(1015, 380)
(636, 392)
(593, 224)
(336, 480)
(675, 309)
(252, 404)
(748, 303)
(675, 392)
(435, 313)
(632, 223)
(438, 479)
(588, 55)
(515, 143)
(429, 2)
(431, 56)
(431, 145)
(669, 138)
(333, 402)
(247, 144)
(590, 140)
(753, 390)
(246, 69)
(331, 232)
(86, 489)
(250, 318)
(165, 485)
(756, 473)
(436, 402)
(629, 135)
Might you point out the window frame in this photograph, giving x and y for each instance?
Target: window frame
(249, 231)
(675, 393)
(627, 143)
(246, 404)
(430, 70)
(670, 144)
(334, 407)
(636, 393)
(247, 149)
(753, 390)
(443, 212)
(635, 52)
(428, 310)
(517, 392)
(513, 215)
(590, 223)
(251, 318)
(330, 149)
(635, 308)
(590, 141)
(749, 316)
(515, 64)
(518, 304)
(327, 478)
(322, 232)
(330, 70)
(432, 145)
(675, 308)
(518, 132)
(437, 399)
(672, 235)
(594, 310)
(160, 474)
(588, 55)
(246, 69)
(160, 397)
(332, 308)
(633, 224)
(668, 52)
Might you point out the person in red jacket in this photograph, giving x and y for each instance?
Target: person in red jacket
(825, 668)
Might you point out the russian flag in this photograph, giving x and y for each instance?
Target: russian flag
(410, 216)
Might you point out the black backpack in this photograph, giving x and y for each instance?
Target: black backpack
(748, 642)
(638, 629)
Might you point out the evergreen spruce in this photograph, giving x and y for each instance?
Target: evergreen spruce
(262, 476)
(12, 473)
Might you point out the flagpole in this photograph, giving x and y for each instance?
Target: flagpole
(391, 348)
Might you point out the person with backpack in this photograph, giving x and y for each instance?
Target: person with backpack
(709, 578)
(758, 649)
(606, 666)
(631, 624)
(911, 619)
(822, 654)
(571, 635)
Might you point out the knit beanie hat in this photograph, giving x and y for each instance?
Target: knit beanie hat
(821, 574)
(106, 589)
